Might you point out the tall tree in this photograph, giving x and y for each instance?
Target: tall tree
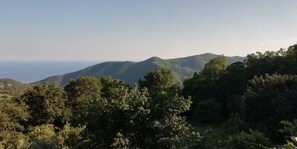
(203, 89)
(215, 68)
(82, 93)
(12, 117)
(269, 100)
(160, 80)
(47, 105)
(112, 88)
(133, 119)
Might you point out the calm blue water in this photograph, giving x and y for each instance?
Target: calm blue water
(28, 71)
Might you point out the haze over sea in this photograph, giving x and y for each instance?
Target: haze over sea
(29, 71)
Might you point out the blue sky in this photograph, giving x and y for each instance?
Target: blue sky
(139, 29)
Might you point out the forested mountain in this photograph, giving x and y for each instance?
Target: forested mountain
(130, 72)
(10, 87)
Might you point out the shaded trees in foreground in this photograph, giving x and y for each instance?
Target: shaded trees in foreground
(99, 113)
(255, 94)
(268, 100)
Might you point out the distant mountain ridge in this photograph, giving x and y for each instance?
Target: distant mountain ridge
(130, 72)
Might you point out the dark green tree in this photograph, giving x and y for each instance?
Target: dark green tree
(112, 88)
(248, 140)
(214, 68)
(133, 119)
(204, 91)
(230, 88)
(47, 105)
(12, 117)
(269, 100)
(158, 81)
(82, 94)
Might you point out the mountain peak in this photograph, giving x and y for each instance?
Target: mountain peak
(208, 54)
(153, 59)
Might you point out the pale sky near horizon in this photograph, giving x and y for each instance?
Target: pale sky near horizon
(139, 29)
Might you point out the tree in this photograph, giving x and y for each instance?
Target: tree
(44, 136)
(116, 116)
(290, 131)
(82, 93)
(248, 140)
(204, 91)
(269, 100)
(47, 105)
(268, 62)
(158, 81)
(230, 87)
(12, 117)
(290, 62)
(130, 118)
(215, 68)
(83, 89)
(112, 88)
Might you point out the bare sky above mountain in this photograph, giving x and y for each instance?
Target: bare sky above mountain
(138, 29)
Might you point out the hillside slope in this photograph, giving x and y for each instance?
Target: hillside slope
(11, 88)
(130, 72)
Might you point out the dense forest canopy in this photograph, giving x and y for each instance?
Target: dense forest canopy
(250, 104)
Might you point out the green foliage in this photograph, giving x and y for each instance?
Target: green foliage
(269, 100)
(261, 63)
(113, 89)
(158, 81)
(128, 118)
(13, 88)
(120, 142)
(210, 137)
(216, 91)
(235, 125)
(230, 88)
(83, 89)
(208, 111)
(282, 62)
(289, 145)
(82, 93)
(169, 126)
(203, 90)
(44, 136)
(214, 68)
(5, 97)
(289, 128)
(71, 136)
(248, 140)
(290, 131)
(12, 140)
(47, 105)
(12, 115)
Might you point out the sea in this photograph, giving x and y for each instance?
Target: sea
(30, 71)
